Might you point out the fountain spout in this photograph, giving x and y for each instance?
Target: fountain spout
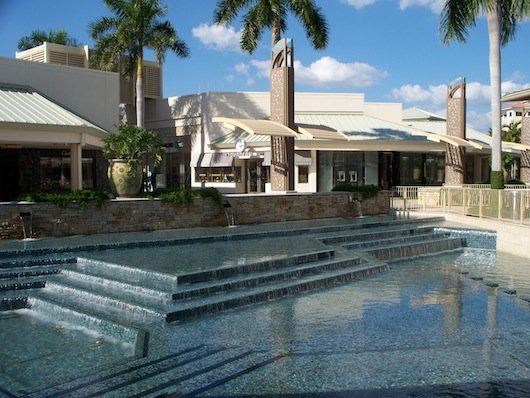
(229, 214)
(26, 220)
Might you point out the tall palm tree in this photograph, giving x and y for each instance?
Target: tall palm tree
(502, 18)
(272, 14)
(134, 25)
(38, 37)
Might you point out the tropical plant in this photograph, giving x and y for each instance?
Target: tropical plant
(134, 144)
(134, 25)
(502, 18)
(366, 191)
(38, 37)
(272, 14)
(62, 199)
(510, 133)
(185, 196)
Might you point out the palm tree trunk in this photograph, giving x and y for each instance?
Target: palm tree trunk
(276, 33)
(493, 16)
(140, 94)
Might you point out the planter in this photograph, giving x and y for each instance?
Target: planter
(125, 182)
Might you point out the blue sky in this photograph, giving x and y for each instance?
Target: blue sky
(390, 50)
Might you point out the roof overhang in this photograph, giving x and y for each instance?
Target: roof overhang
(258, 126)
(320, 132)
(455, 141)
(511, 146)
(520, 95)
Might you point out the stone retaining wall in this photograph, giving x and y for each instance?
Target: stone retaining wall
(148, 215)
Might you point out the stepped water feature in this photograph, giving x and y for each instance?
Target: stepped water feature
(136, 296)
(127, 302)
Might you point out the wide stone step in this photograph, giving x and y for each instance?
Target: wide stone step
(400, 239)
(98, 305)
(404, 251)
(373, 235)
(115, 289)
(263, 277)
(270, 264)
(130, 275)
(212, 304)
(51, 309)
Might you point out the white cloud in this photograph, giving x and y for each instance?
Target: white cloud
(414, 93)
(328, 71)
(477, 96)
(218, 37)
(480, 121)
(243, 69)
(435, 6)
(359, 3)
(325, 72)
(478, 92)
(262, 68)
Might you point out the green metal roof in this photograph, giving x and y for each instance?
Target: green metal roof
(21, 105)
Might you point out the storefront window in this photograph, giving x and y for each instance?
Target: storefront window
(303, 174)
(55, 173)
(218, 174)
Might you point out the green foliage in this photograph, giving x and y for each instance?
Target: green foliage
(134, 144)
(497, 179)
(62, 199)
(38, 37)
(366, 191)
(260, 15)
(185, 196)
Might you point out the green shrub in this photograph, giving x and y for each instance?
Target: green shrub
(366, 191)
(63, 198)
(497, 180)
(515, 182)
(185, 196)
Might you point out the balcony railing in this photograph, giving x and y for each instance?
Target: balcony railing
(511, 203)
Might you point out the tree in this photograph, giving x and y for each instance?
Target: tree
(510, 133)
(272, 14)
(502, 18)
(134, 25)
(38, 37)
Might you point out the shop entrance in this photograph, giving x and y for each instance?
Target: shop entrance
(256, 176)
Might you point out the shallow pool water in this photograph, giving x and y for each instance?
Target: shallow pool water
(455, 324)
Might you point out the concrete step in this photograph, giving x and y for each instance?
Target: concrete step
(429, 247)
(260, 293)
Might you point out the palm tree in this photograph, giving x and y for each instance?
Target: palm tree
(502, 18)
(38, 37)
(272, 14)
(135, 25)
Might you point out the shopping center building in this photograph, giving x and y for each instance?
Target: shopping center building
(55, 111)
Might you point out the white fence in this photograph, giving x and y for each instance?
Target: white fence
(511, 203)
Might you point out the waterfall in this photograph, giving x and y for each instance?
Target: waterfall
(229, 214)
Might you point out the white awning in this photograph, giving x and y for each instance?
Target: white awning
(258, 126)
(320, 132)
(455, 141)
(302, 158)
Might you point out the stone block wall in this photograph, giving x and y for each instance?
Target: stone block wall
(149, 215)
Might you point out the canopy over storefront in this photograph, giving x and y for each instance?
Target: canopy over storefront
(30, 120)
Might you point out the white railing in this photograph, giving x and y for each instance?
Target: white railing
(511, 203)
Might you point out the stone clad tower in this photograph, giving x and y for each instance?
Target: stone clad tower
(282, 111)
(456, 127)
